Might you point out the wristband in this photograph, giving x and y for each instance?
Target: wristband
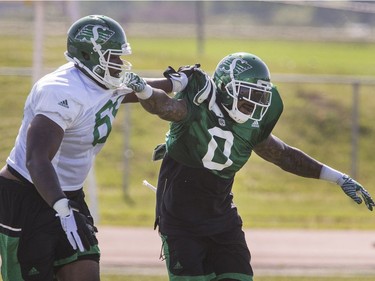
(145, 94)
(62, 207)
(178, 82)
(329, 174)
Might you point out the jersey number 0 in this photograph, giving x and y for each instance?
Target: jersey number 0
(208, 159)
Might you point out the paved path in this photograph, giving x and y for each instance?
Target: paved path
(274, 252)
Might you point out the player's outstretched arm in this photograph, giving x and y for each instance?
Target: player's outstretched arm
(299, 163)
(174, 81)
(288, 158)
(156, 101)
(160, 83)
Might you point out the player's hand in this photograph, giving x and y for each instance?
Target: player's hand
(354, 190)
(134, 82)
(138, 85)
(188, 70)
(79, 230)
(180, 78)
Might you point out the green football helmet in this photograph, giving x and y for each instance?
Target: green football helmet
(91, 42)
(243, 76)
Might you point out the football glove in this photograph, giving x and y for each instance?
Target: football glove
(138, 85)
(79, 230)
(159, 152)
(354, 190)
(181, 77)
(188, 69)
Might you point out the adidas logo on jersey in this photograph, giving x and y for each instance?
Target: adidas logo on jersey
(255, 124)
(64, 103)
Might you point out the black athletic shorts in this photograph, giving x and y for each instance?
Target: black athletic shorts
(33, 245)
(223, 256)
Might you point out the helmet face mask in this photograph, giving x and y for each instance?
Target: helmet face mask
(111, 68)
(257, 96)
(244, 87)
(95, 44)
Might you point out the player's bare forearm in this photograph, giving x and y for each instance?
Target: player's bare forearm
(164, 106)
(160, 83)
(288, 158)
(130, 98)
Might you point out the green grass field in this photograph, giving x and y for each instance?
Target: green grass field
(317, 119)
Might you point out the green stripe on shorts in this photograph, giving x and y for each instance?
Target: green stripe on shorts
(10, 268)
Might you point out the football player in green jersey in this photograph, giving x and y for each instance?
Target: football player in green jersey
(215, 125)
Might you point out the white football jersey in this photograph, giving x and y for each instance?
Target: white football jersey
(82, 109)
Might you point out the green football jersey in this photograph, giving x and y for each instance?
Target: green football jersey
(209, 138)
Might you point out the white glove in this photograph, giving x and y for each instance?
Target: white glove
(70, 227)
(79, 231)
(180, 78)
(138, 85)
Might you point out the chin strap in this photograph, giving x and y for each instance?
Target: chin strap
(89, 73)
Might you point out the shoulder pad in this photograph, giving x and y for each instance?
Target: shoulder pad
(207, 89)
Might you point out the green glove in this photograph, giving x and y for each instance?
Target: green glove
(159, 152)
(134, 82)
(353, 189)
(138, 85)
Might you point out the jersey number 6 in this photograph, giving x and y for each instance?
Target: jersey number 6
(103, 121)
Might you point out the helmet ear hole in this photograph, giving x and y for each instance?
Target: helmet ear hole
(86, 56)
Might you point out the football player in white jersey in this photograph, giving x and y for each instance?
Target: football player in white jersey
(46, 226)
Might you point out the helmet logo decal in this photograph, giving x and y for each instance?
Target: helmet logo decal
(99, 33)
(235, 67)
